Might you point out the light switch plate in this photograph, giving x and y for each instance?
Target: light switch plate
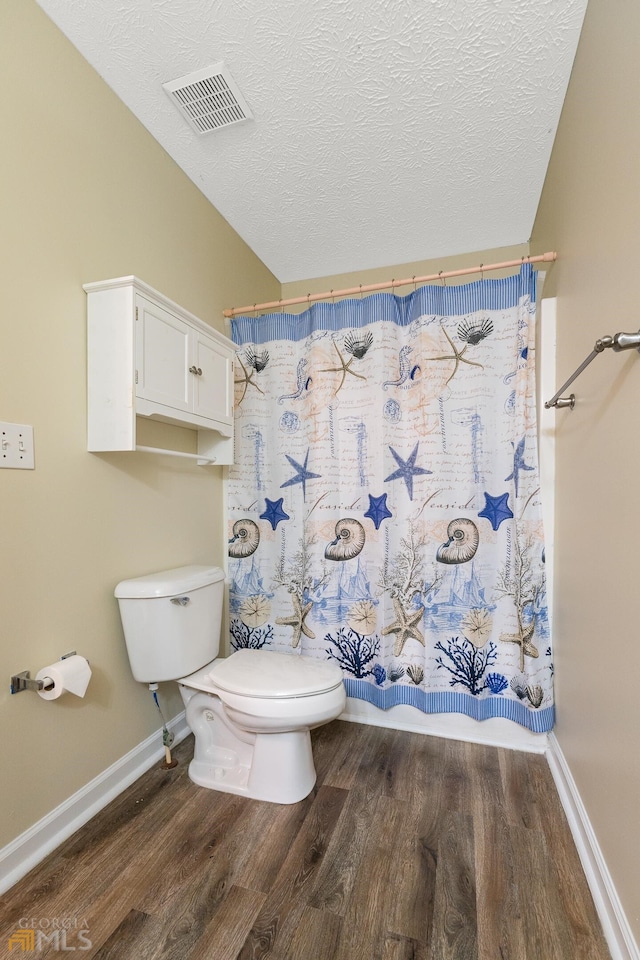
(16, 446)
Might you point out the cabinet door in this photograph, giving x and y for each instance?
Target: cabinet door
(213, 385)
(162, 357)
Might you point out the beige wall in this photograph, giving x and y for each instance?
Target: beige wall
(590, 213)
(421, 268)
(87, 194)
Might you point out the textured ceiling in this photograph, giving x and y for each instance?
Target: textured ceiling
(384, 131)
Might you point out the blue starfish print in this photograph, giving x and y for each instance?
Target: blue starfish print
(302, 474)
(518, 465)
(407, 469)
(273, 512)
(378, 510)
(496, 509)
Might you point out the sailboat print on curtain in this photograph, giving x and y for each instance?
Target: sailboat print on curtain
(384, 502)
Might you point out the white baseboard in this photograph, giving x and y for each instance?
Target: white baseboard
(495, 732)
(32, 846)
(615, 926)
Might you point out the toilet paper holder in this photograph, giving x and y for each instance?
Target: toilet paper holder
(22, 681)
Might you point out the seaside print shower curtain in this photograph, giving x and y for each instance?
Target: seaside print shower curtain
(384, 502)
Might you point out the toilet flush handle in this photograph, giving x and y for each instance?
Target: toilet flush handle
(181, 601)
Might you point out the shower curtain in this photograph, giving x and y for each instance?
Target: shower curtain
(385, 500)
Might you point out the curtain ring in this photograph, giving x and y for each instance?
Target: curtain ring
(308, 300)
(481, 271)
(254, 310)
(361, 291)
(333, 299)
(415, 285)
(442, 279)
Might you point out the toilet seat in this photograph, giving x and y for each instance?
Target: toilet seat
(282, 690)
(262, 675)
(269, 675)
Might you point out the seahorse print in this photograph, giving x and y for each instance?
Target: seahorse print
(406, 369)
(302, 382)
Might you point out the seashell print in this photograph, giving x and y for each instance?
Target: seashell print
(462, 543)
(350, 537)
(379, 673)
(245, 540)
(496, 683)
(416, 674)
(257, 360)
(357, 346)
(473, 331)
(535, 695)
(396, 673)
(519, 686)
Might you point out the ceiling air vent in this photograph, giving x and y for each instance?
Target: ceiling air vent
(209, 99)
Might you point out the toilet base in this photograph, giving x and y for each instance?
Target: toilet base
(276, 767)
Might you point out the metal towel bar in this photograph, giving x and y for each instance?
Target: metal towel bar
(620, 341)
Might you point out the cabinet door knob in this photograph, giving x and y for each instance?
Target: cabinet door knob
(199, 372)
(193, 370)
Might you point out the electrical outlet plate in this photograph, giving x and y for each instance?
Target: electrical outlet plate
(16, 446)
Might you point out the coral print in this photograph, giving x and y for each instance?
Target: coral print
(384, 502)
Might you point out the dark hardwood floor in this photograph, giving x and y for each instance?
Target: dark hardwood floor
(409, 848)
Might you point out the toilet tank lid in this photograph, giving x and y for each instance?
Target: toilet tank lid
(168, 583)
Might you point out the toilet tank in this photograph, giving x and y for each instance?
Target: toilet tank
(171, 621)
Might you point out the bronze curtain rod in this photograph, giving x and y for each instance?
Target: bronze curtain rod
(386, 285)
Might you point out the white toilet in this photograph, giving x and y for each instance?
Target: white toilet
(250, 713)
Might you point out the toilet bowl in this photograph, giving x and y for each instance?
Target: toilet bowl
(250, 713)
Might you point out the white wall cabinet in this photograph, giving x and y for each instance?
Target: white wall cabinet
(147, 357)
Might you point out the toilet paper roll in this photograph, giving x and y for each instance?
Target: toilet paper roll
(70, 675)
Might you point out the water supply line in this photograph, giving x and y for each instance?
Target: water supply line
(167, 735)
(619, 342)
